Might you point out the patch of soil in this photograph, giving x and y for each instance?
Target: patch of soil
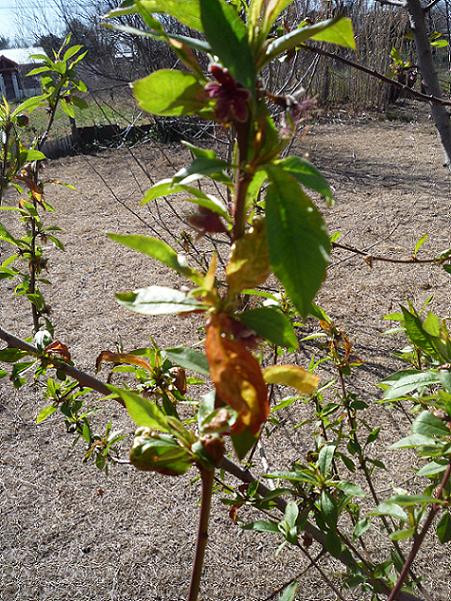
(69, 532)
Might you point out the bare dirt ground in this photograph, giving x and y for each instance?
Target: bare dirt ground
(69, 532)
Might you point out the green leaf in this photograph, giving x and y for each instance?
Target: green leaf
(298, 240)
(444, 528)
(289, 592)
(68, 109)
(411, 500)
(336, 31)
(432, 469)
(11, 355)
(227, 36)
(201, 167)
(439, 43)
(329, 509)
(291, 513)
(45, 413)
(307, 175)
(166, 187)
(427, 424)
(404, 382)
(32, 155)
(189, 359)
(361, 527)
(38, 71)
(413, 441)
(199, 152)
(171, 93)
(431, 324)
(421, 241)
(272, 10)
(143, 412)
(445, 379)
(340, 33)
(157, 249)
(391, 509)
(325, 458)
(417, 334)
(185, 11)
(255, 186)
(373, 435)
(158, 300)
(29, 105)
(72, 51)
(297, 476)
(243, 443)
(262, 526)
(7, 237)
(270, 323)
(333, 543)
(402, 534)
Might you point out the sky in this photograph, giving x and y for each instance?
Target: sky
(16, 16)
(7, 17)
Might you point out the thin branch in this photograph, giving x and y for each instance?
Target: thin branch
(419, 538)
(371, 258)
(414, 93)
(84, 379)
(431, 4)
(299, 575)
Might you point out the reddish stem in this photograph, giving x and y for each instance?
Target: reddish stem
(207, 477)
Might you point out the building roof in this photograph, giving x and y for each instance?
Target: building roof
(22, 56)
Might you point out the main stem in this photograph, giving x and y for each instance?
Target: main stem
(207, 478)
(34, 233)
(33, 270)
(242, 182)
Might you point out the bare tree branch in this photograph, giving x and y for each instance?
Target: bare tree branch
(431, 4)
(84, 379)
(388, 80)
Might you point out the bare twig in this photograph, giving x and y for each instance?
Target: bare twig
(413, 93)
(431, 4)
(371, 258)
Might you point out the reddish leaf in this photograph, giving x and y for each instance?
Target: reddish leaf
(35, 189)
(237, 377)
(58, 348)
(118, 358)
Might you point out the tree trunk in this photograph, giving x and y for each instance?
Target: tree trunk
(439, 112)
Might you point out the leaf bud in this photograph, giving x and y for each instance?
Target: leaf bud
(209, 449)
(158, 452)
